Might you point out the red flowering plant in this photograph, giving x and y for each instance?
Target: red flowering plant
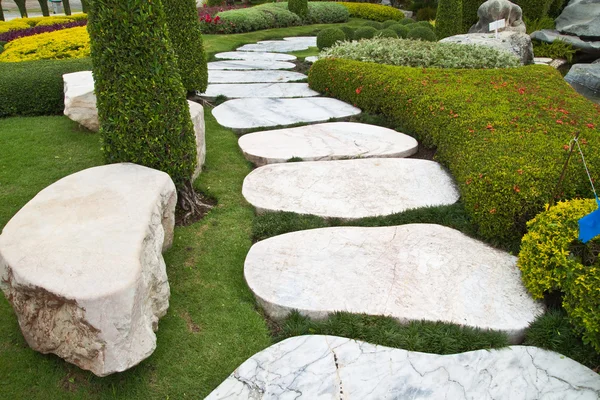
(210, 22)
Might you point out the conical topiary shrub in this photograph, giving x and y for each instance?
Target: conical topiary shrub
(448, 18)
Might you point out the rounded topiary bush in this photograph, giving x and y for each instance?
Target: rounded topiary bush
(422, 33)
(407, 21)
(299, 7)
(365, 32)
(424, 24)
(386, 33)
(401, 30)
(328, 37)
(374, 24)
(349, 32)
(553, 259)
(389, 22)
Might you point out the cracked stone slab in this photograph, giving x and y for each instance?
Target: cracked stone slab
(332, 368)
(328, 141)
(349, 189)
(217, 76)
(277, 90)
(246, 55)
(410, 272)
(81, 263)
(281, 46)
(249, 65)
(260, 112)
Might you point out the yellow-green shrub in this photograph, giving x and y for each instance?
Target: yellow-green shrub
(548, 263)
(375, 12)
(65, 43)
(13, 25)
(56, 21)
(24, 23)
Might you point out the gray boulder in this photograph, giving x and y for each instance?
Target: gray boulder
(493, 10)
(585, 79)
(550, 35)
(580, 18)
(518, 44)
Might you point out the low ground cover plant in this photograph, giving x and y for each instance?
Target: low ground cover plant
(61, 44)
(39, 28)
(556, 49)
(415, 53)
(501, 132)
(375, 12)
(26, 23)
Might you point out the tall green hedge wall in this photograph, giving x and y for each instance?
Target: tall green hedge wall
(501, 132)
(142, 108)
(186, 38)
(448, 20)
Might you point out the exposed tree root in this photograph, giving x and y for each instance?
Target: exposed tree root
(191, 205)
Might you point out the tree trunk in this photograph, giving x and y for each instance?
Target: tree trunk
(44, 7)
(84, 6)
(1, 12)
(66, 6)
(22, 8)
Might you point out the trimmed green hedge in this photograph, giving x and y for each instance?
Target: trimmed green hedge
(448, 20)
(328, 37)
(375, 12)
(299, 7)
(36, 87)
(142, 108)
(500, 132)
(186, 38)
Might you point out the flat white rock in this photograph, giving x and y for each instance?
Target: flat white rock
(410, 272)
(277, 90)
(334, 368)
(328, 141)
(349, 189)
(258, 113)
(249, 65)
(81, 265)
(216, 76)
(281, 46)
(246, 55)
(311, 59)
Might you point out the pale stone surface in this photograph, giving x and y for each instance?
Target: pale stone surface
(254, 76)
(80, 99)
(258, 113)
(493, 10)
(311, 59)
(410, 272)
(80, 106)
(246, 55)
(550, 35)
(585, 79)
(236, 90)
(328, 141)
(349, 189)
(81, 264)
(318, 367)
(281, 46)
(580, 18)
(542, 60)
(514, 43)
(249, 65)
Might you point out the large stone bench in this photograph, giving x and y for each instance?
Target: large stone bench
(82, 265)
(80, 106)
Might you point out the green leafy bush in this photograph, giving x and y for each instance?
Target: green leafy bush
(387, 33)
(448, 20)
(553, 259)
(349, 32)
(407, 21)
(469, 13)
(415, 53)
(401, 30)
(501, 132)
(365, 32)
(533, 25)
(534, 9)
(328, 37)
(426, 14)
(327, 13)
(142, 108)
(389, 22)
(421, 33)
(186, 38)
(424, 24)
(556, 8)
(374, 24)
(556, 49)
(36, 87)
(374, 12)
(299, 7)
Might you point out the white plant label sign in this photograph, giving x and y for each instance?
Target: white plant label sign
(494, 26)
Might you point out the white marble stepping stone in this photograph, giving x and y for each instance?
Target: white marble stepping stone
(245, 55)
(310, 41)
(216, 76)
(332, 368)
(328, 141)
(236, 90)
(311, 59)
(258, 113)
(409, 272)
(349, 189)
(249, 65)
(280, 46)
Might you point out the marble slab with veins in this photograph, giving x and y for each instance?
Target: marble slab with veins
(241, 65)
(254, 56)
(270, 76)
(276, 90)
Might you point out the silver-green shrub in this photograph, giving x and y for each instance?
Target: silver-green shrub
(415, 53)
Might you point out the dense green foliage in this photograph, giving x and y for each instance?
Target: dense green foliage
(533, 25)
(422, 336)
(532, 10)
(556, 8)
(186, 39)
(407, 21)
(401, 30)
(374, 24)
(142, 108)
(416, 53)
(326, 13)
(552, 259)
(328, 37)
(299, 7)
(448, 21)
(374, 12)
(469, 13)
(556, 49)
(387, 33)
(506, 158)
(365, 32)
(348, 31)
(422, 33)
(389, 22)
(36, 87)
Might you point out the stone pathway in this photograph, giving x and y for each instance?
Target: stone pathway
(259, 90)
(332, 368)
(244, 55)
(260, 76)
(249, 65)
